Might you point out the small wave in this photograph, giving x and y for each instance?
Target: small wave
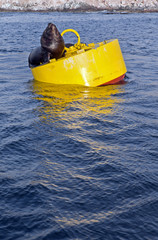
(11, 51)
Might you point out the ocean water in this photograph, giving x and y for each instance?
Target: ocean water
(79, 163)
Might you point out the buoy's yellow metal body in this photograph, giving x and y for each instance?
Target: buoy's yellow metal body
(89, 65)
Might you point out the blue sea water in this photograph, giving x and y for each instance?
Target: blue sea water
(79, 163)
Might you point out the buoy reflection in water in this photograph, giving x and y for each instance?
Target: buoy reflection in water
(70, 102)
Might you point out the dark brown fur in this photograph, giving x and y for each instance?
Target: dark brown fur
(52, 41)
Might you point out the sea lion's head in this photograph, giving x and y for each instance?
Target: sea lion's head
(52, 41)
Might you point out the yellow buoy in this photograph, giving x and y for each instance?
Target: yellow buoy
(91, 65)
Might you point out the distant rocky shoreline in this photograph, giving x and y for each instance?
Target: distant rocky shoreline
(109, 6)
(106, 11)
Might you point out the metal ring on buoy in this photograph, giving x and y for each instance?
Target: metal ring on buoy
(74, 31)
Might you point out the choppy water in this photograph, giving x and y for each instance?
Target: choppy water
(77, 162)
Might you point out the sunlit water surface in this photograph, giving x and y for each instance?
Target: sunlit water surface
(79, 162)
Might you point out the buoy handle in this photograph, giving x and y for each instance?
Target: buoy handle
(74, 31)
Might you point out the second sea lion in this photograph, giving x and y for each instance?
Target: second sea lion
(38, 56)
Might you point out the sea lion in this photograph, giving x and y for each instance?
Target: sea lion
(37, 56)
(52, 46)
(52, 41)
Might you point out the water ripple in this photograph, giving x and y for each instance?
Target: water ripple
(78, 162)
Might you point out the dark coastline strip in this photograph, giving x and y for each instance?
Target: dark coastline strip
(88, 9)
